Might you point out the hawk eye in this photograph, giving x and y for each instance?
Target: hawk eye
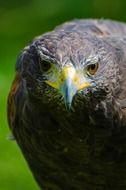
(45, 66)
(91, 69)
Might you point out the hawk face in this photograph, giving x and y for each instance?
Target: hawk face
(63, 70)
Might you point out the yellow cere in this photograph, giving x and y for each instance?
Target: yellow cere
(69, 72)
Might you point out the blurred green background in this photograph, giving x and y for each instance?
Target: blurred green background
(20, 21)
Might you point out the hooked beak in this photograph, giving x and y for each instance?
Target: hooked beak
(68, 83)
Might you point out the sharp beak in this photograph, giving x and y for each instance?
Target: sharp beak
(68, 83)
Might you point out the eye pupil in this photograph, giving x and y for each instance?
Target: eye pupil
(45, 65)
(92, 67)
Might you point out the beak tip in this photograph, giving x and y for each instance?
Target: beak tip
(68, 100)
(68, 105)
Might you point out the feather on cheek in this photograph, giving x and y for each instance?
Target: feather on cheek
(11, 99)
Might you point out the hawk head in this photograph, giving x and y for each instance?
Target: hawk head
(63, 66)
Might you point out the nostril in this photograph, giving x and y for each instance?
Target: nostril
(61, 79)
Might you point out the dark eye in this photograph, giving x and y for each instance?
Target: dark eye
(91, 69)
(45, 66)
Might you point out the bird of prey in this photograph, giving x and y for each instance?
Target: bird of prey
(67, 106)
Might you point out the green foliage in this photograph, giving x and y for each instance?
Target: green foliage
(20, 21)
